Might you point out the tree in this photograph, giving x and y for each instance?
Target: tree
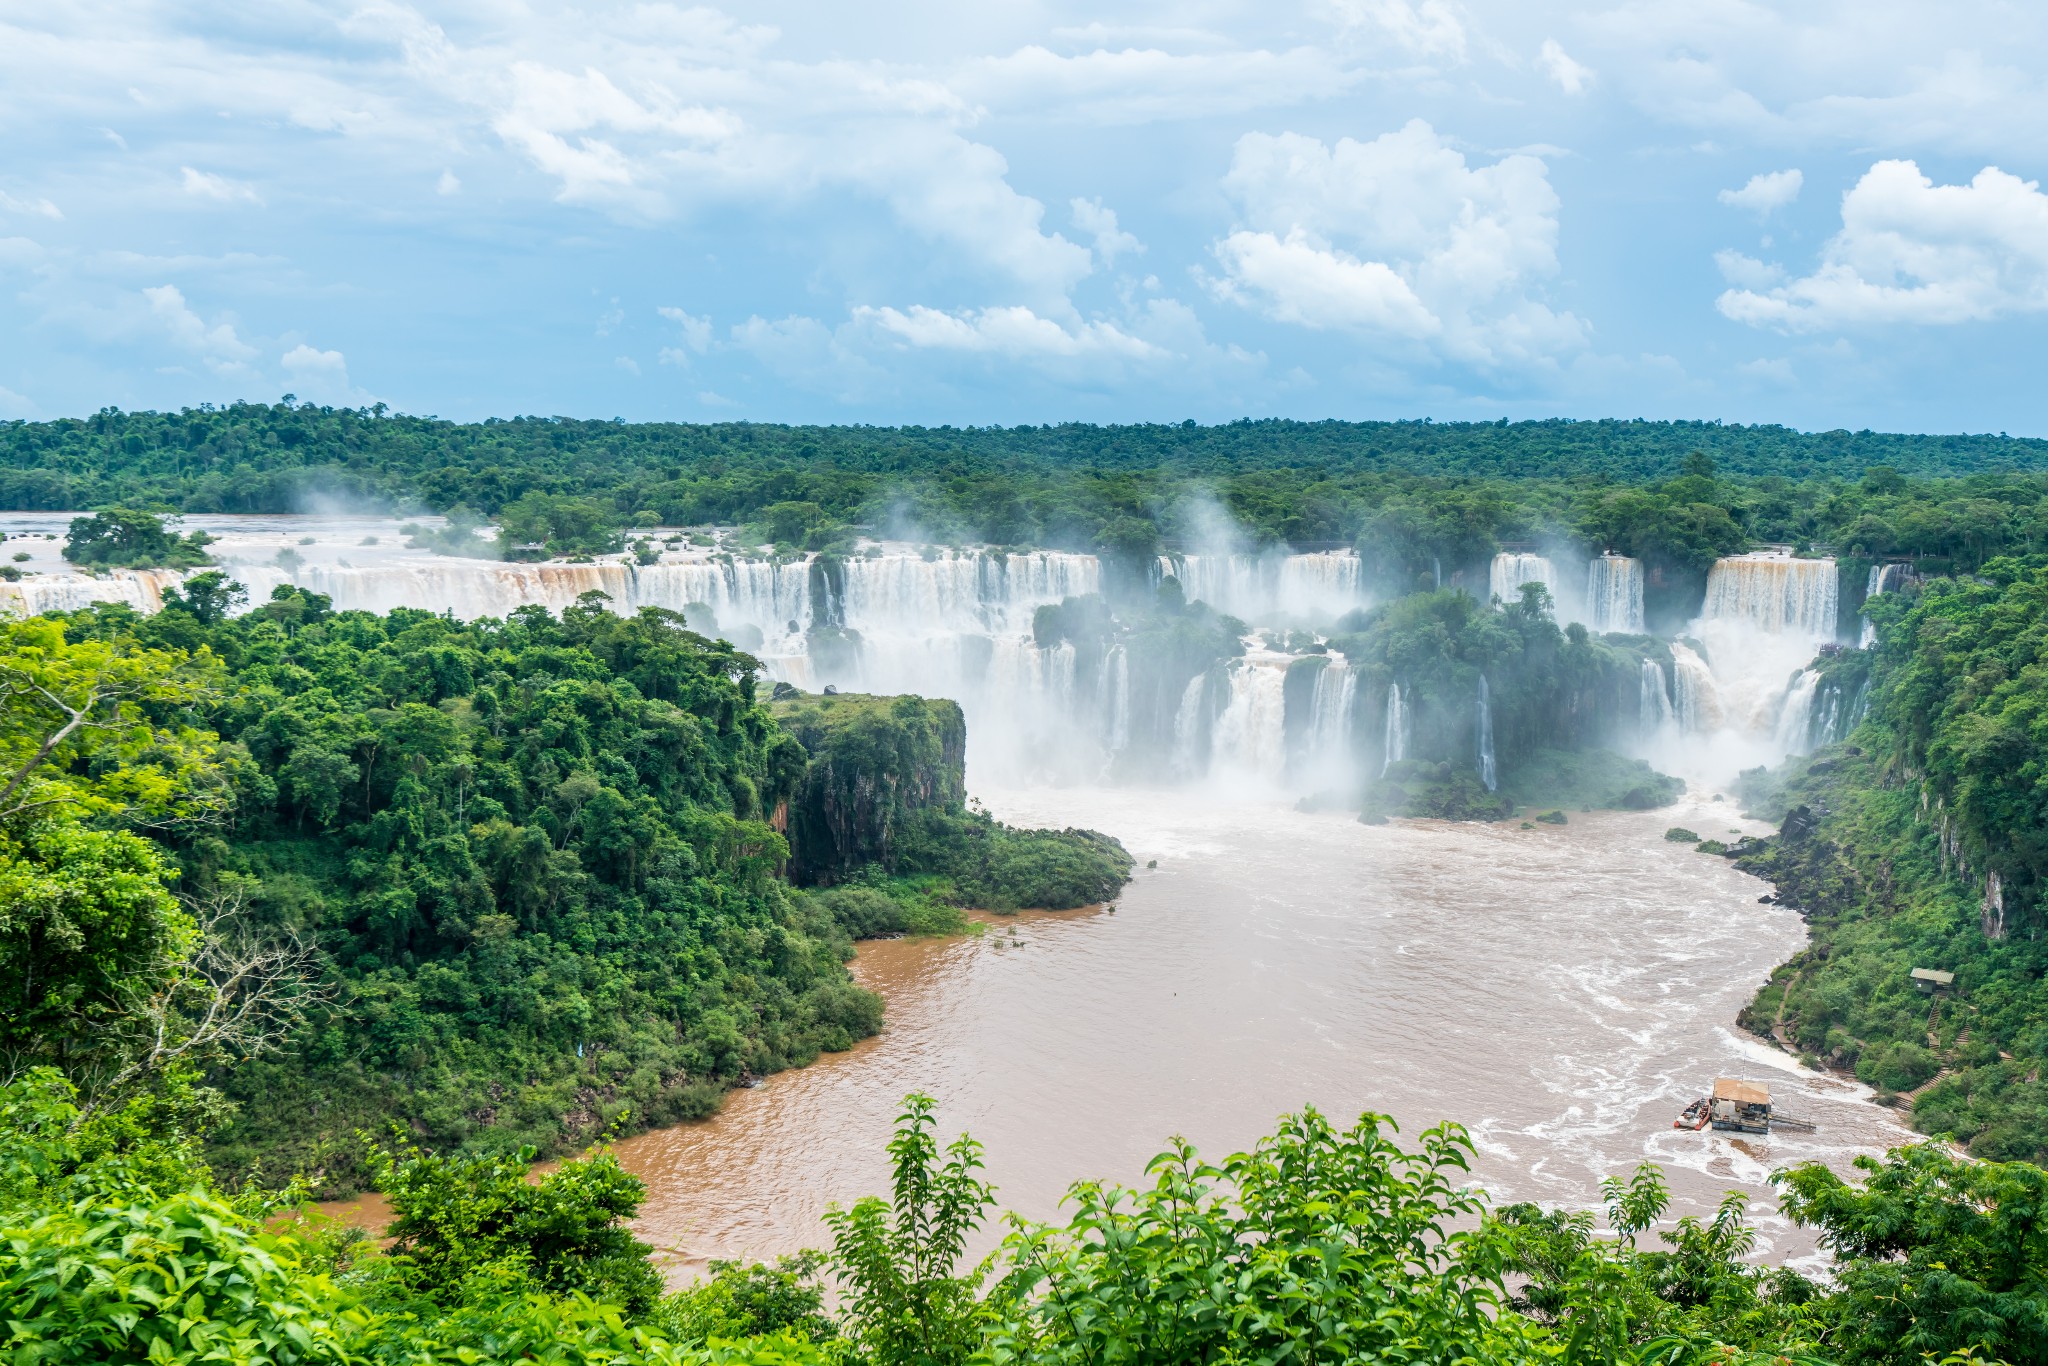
(1934, 1254)
(898, 1259)
(85, 917)
(101, 728)
(210, 597)
(461, 1224)
(123, 538)
(237, 992)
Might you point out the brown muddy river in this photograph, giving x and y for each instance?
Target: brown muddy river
(1561, 991)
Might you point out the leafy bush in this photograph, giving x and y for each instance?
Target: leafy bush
(457, 1219)
(738, 1300)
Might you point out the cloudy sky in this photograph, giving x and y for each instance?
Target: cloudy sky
(1823, 213)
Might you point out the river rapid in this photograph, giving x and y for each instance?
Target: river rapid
(1562, 991)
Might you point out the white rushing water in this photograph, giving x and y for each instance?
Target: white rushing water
(1396, 740)
(959, 623)
(1272, 586)
(1743, 690)
(1488, 773)
(1511, 569)
(1614, 595)
(1884, 578)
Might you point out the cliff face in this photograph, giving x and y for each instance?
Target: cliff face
(876, 764)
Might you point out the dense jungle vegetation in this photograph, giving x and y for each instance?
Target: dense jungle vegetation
(534, 870)
(1918, 843)
(1320, 1244)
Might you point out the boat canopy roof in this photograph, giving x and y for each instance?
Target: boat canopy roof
(1741, 1092)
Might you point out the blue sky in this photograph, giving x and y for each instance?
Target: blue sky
(1823, 213)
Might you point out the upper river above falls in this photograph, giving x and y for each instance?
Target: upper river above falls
(1561, 991)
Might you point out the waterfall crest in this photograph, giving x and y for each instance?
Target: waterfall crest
(1317, 584)
(1614, 595)
(1775, 593)
(1884, 578)
(1511, 569)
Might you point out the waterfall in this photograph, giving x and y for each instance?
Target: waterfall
(1511, 570)
(1250, 737)
(1187, 727)
(1487, 774)
(1884, 578)
(1775, 593)
(1837, 711)
(1614, 595)
(961, 590)
(1396, 741)
(1698, 699)
(141, 589)
(1115, 702)
(1654, 712)
(1330, 708)
(1319, 584)
(1795, 715)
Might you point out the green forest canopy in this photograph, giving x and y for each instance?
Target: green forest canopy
(273, 458)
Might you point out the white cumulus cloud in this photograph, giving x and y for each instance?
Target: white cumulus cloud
(1746, 272)
(216, 345)
(321, 376)
(1911, 251)
(1431, 28)
(41, 208)
(1012, 331)
(1398, 238)
(1099, 223)
(206, 185)
(1765, 192)
(696, 336)
(1571, 76)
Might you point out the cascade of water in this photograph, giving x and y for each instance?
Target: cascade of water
(1487, 773)
(1117, 670)
(1614, 595)
(1698, 699)
(1654, 713)
(1395, 743)
(1775, 593)
(1250, 736)
(1795, 715)
(1884, 578)
(1512, 569)
(1318, 584)
(1330, 708)
(141, 589)
(1187, 727)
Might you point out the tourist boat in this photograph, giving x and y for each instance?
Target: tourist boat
(1741, 1106)
(1695, 1116)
